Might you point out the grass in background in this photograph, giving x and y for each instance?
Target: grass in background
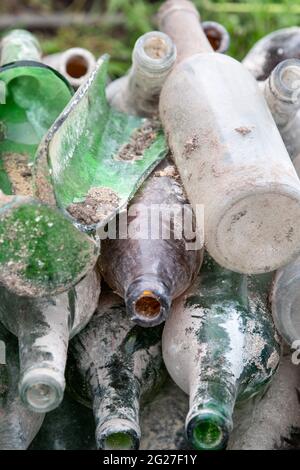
(247, 21)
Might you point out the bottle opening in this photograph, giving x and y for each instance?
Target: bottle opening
(290, 77)
(217, 36)
(77, 66)
(41, 396)
(208, 431)
(156, 47)
(147, 306)
(119, 441)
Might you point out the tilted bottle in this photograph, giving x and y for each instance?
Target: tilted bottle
(43, 327)
(113, 364)
(271, 50)
(153, 57)
(154, 264)
(219, 349)
(18, 425)
(228, 151)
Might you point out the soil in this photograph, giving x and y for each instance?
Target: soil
(243, 130)
(19, 172)
(140, 140)
(170, 171)
(96, 207)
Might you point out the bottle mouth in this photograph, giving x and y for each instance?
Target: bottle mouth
(147, 306)
(285, 80)
(217, 35)
(77, 64)
(118, 435)
(208, 431)
(42, 390)
(155, 51)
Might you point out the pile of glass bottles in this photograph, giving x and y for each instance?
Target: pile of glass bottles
(150, 242)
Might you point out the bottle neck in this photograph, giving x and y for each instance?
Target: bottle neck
(19, 45)
(209, 421)
(148, 300)
(116, 412)
(282, 92)
(153, 57)
(43, 344)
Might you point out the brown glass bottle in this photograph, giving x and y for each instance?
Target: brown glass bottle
(155, 263)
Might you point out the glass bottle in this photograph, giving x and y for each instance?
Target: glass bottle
(138, 92)
(18, 425)
(43, 327)
(113, 364)
(221, 349)
(228, 149)
(158, 257)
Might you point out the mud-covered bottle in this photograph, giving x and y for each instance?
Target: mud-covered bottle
(282, 92)
(18, 425)
(153, 57)
(159, 255)
(112, 366)
(221, 349)
(43, 327)
(228, 149)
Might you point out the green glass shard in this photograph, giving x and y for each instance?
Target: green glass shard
(96, 156)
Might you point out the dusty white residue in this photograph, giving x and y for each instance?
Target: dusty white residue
(234, 356)
(273, 360)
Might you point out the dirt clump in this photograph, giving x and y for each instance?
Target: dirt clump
(96, 207)
(140, 140)
(19, 172)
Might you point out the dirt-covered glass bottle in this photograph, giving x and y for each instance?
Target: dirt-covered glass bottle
(153, 57)
(18, 425)
(221, 349)
(159, 257)
(112, 366)
(228, 149)
(43, 327)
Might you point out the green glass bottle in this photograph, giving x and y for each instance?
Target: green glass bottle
(18, 425)
(43, 327)
(113, 365)
(220, 347)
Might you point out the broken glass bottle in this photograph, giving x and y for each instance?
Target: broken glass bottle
(112, 366)
(221, 348)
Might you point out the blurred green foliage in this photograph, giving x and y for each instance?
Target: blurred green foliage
(246, 21)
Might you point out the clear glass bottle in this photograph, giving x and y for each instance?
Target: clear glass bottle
(112, 366)
(153, 264)
(228, 151)
(221, 348)
(153, 57)
(18, 425)
(43, 327)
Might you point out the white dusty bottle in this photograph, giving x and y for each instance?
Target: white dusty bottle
(220, 348)
(271, 50)
(18, 425)
(282, 93)
(159, 256)
(43, 327)
(113, 365)
(217, 35)
(153, 57)
(228, 151)
(75, 64)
